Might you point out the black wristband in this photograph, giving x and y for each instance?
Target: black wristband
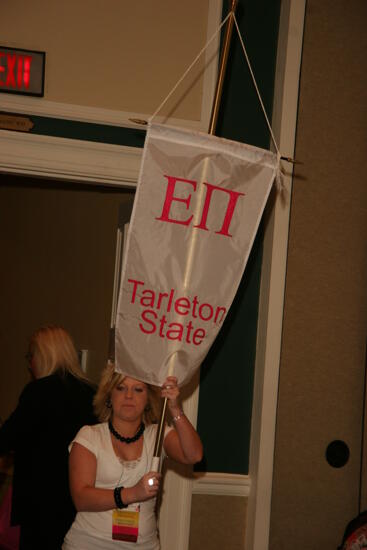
(118, 500)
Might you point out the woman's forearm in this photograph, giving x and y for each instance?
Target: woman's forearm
(190, 442)
(94, 499)
(186, 445)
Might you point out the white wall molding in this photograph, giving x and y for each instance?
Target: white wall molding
(71, 159)
(273, 277)
(212, 483)
(42, 107)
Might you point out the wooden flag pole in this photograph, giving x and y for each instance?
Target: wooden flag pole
(222, 70)
(211, 131)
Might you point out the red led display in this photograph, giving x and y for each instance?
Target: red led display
(22, 71)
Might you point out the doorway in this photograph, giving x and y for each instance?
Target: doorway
(57, 243)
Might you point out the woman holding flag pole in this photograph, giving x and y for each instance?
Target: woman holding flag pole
(111, 480)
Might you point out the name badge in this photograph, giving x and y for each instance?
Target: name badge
(125, 523)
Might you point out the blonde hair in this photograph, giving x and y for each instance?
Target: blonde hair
(52, 350)
(109, 380)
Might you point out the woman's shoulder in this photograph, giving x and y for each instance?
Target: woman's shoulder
(93, 437)
(62, 383)
(34, 387)
(78, 388)
(44, 384)
(93, 431)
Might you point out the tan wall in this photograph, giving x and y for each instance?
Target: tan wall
(57, 244)
(130, 55)
(325, 318)
(217, 522)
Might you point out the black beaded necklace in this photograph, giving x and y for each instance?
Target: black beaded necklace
(127, 440)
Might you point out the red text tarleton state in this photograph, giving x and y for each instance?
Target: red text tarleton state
(155, 305)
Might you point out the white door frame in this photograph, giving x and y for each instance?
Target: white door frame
(273, 275)
(81, 161)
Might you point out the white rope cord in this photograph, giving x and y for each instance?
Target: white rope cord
(279, 175)
(280, 171)
(256, 87)
(189, 68)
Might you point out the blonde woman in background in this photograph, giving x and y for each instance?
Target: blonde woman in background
(50, 411)
(112, 485)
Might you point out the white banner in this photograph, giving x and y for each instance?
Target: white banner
(198, 204)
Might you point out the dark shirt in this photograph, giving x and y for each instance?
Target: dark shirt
(50, 412)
